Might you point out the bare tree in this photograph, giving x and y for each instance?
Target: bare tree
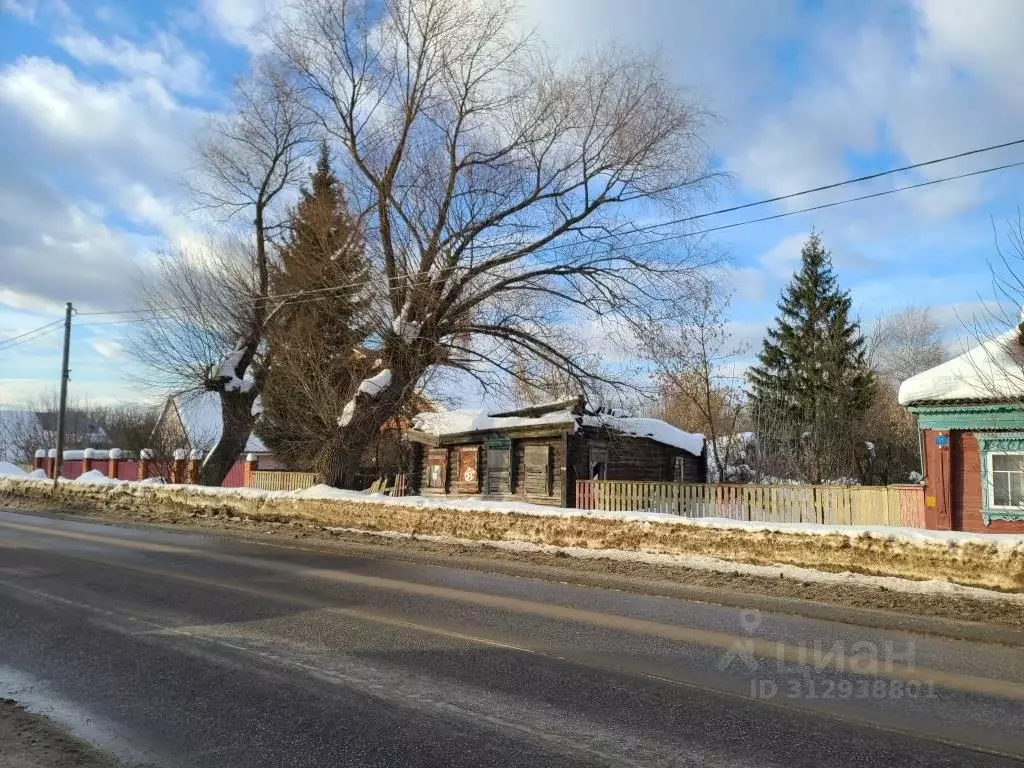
(128, 426)
(32, 425)
(209, 319)
(700, 389)
(196, 305)
(900, 345)
(499, 189)
(905, 343)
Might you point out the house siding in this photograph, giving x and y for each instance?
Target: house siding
(636, 458)
(967, 488)
(629, 458)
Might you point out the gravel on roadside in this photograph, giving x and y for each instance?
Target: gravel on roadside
(32, 741)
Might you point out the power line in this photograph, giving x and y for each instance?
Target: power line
(26, 333)
(883, 193)
(28, 336)
(834, 185)
(306, 296)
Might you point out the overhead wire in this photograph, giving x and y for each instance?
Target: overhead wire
(28, 336)
(312, 294)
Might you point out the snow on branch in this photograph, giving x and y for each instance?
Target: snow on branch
(370, 387)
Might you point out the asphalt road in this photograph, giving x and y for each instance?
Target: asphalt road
(175, 649)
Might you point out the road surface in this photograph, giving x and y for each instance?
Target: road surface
(177, 649)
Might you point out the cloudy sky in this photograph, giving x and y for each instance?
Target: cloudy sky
(99, 101)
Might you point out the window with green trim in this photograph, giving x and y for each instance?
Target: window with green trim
(1006, 480)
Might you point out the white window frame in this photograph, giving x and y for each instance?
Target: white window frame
(991, 490)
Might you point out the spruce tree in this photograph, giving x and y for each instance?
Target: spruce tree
(812, 383)
(315, 339)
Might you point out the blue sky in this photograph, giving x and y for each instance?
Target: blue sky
(99, 102)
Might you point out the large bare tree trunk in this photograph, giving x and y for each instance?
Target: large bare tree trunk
(238, 422)
(338, 461)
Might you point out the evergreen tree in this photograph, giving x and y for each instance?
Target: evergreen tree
(315, 341)
(812, 383)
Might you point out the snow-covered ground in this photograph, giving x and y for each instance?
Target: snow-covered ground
(1001, 545)
(1004, 542)
(704, 563)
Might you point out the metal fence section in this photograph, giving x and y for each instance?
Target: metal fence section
(899, 505)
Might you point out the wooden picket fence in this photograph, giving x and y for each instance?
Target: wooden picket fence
(900, 505)
(297, 481)
(282, 481)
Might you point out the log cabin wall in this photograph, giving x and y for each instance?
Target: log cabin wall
(543, 469)
(634, 458)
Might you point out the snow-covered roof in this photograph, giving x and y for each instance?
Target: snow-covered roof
(444, 423)
(201, 419)
(653, 429)
(450, 423)
(993, 370)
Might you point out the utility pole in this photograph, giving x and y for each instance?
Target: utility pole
(62, 413)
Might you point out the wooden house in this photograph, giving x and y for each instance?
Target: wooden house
(970, 418)
(536, 454)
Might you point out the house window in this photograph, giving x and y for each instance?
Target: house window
(1006, 480)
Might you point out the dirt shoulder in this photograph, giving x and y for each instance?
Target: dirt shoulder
(32, 741)
(989, 620)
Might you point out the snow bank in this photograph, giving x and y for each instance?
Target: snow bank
(38, 474)
(11, 470)
(718, 565)
(991, 562)
(990, 371)
(94, 477)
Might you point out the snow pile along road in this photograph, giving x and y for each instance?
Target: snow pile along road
(991, 562)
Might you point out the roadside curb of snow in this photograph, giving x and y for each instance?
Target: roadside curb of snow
(969, 561)
(933, 587)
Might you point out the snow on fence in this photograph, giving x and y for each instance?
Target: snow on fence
(900, 505)
(282, 481)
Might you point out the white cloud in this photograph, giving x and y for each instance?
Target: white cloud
(165, 59)
(118, 149)
(241, 22)
(107, 348)
(134, 123)
(783, 259)
(934, 87)
(23, 9)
